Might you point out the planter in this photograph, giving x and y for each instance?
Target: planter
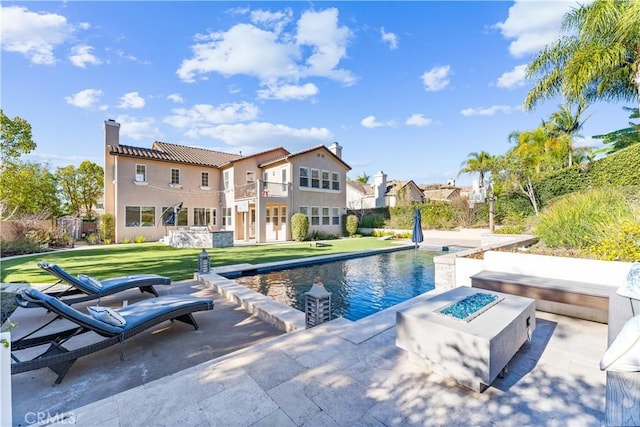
(5, 381)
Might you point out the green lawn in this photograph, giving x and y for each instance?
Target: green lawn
(179, 264)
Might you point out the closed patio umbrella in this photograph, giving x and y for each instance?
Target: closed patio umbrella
(416, 236)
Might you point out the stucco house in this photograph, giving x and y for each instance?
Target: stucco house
(382, 193)
(167, 187)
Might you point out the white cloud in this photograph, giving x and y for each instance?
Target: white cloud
(138, 129)
(390, 38)
(275, 20)
(175, 97)
(204, 115)
(35, 35)
(131, 100)
(85, 98)
(81, 56)
(261, 134)
(419, 120)
(531, 25)
(513, 78)
(263, 49)
(437, 78)
(371, 122)
(287, 92)
(489, 111)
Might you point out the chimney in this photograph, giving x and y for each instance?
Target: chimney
(379, 188)
(336, 149)
(111, 133)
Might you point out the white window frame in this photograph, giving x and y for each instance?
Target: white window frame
(316, 173)
(304, 175)
(141, 177)
(335, 216)
(175, 173)
(204, 180)
(325, 179)
(226, 176)
(315, 215)
(325, 216)
(335, 181)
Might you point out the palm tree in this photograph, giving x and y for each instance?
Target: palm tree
(363, 179)
(597, 59)
(564, 124)
(480, 162)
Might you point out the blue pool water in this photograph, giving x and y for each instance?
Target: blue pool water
(359, 287)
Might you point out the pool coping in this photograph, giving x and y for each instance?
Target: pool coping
(280, 315)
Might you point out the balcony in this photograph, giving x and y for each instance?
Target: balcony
(267, 189)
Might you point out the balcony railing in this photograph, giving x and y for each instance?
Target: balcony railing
(267, 189)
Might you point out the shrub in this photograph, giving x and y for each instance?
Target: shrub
(299, 227)
(126, 240)
(620, 243)
(139, 239)
(373, 220)
(19, 246)
(511, 229)
(351, 225)
(319, 235)
(581, 220)
(93, 238)
(107, 227)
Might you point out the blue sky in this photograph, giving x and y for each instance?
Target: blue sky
(408, 88)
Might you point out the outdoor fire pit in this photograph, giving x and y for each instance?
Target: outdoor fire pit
(466, 334)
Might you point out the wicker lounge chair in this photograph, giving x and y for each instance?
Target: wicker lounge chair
(137, 317)
(91, 288)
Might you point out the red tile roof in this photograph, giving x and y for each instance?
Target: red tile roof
(164, 151)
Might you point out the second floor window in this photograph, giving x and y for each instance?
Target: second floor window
(204, 179)
(335, 181)
(175, 176)
(315, 178)
(141, 173)
(304, 177)
(226, 178)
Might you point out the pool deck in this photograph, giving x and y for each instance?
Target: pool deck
(344, 373)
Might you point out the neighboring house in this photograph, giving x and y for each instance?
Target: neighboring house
(152, 190)
(382, 193)
(441, 194)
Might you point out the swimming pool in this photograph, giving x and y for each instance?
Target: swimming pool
(359, 287)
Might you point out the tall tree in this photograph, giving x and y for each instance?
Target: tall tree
(81, 187)
(565, 124)
(27, 189)
(622, 138)
(15, 138)
(363, 179)
(480, 163)
(597, 58)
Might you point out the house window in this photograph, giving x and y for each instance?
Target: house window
(326, 220)
(169, 216)
(140, 216)
(315, 178)
(141, 173)
(214, 216)
(201, 217)
(275, 217)
(283, 215)
(251, 176)
(175, 176)
(226, 216)
(226, 177)
(315, 216)
(335, 216)
(268, 216)
(204, 181)
(304, 177)
(326, 184)
(335, 181)
(304, 210)
(284, 179)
